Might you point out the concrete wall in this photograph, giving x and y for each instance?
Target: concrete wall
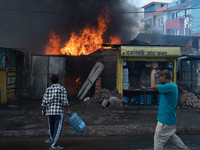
(195, 17)
(176, 23)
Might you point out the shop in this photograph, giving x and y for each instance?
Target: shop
(188, 72)
(134, 66)
(14, 75)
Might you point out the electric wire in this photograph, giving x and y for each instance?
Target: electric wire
(67, 12)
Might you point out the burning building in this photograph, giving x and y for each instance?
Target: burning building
(73, 71)
(74, 61)
(37, 24)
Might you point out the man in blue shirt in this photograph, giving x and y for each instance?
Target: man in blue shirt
(166, 125)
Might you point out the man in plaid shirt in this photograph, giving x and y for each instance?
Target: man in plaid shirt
(53, 103)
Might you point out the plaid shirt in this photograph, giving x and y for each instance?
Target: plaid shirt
(54, 99)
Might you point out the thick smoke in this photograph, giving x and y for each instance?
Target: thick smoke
(26, 24)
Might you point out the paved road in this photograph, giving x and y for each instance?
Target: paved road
(26, 121)
(96, 143)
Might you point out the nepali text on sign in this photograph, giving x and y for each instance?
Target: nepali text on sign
(144, 53)
(149, 51)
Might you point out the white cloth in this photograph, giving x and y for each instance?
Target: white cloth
(164, 132)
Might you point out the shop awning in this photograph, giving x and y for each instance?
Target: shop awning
(189, 57)
(150, 51)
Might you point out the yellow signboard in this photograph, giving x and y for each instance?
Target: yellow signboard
(149, 51)
(11, 82)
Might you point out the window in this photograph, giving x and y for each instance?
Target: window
(158, 22)
(173, 16)
(177, 15)
(149, 9)
(199, 44)
(175, 32)
(152, 7)
(162, 21)
(182, 1)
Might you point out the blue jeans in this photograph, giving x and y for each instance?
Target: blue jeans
(55, 128)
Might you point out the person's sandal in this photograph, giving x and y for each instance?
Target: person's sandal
(48, 141)
(56, 148)
(60, 147)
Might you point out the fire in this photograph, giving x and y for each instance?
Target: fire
(78, 80)
(147, 41)
(53, 44)
(86, 41)
(115, 40)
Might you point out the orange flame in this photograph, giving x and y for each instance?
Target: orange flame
(147, 41)
(52, 47)
(115, 40)
(88, 40)
(78, 80)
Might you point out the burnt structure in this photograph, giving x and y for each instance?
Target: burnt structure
(73, 71)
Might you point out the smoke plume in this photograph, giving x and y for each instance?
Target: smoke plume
(26, 24)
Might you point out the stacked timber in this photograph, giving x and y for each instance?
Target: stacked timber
(188, 100)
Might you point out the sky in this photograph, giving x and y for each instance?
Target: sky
(141, 3)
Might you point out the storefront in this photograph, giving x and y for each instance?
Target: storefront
(134, 66)
(188, 72)
(12, 74)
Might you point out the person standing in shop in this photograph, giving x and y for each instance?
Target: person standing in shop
(53, 103)
(166, 125)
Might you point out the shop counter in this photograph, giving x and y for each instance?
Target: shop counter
(142, 90)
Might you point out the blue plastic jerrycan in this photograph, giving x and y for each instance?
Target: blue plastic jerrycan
(76, 122)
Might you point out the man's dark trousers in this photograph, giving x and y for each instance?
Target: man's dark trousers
(55, 126)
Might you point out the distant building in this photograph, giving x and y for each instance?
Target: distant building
(154, 17)
(180, 17)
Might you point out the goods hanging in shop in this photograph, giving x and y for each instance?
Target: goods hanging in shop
(134, 67)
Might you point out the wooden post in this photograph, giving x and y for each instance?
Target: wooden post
(119, 75)
(175, 70)
(95, 72)
(3, 98)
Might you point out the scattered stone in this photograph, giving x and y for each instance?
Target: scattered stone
(104, 98)
(105, 102)
(188, 100)
(86, 99)
(12, 106)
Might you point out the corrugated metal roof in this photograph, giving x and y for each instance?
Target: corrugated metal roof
(118, 45)
(158, 39)
(189, 57)
(149, 4)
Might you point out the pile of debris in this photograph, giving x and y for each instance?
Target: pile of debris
(188, 100)
(104, 98)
